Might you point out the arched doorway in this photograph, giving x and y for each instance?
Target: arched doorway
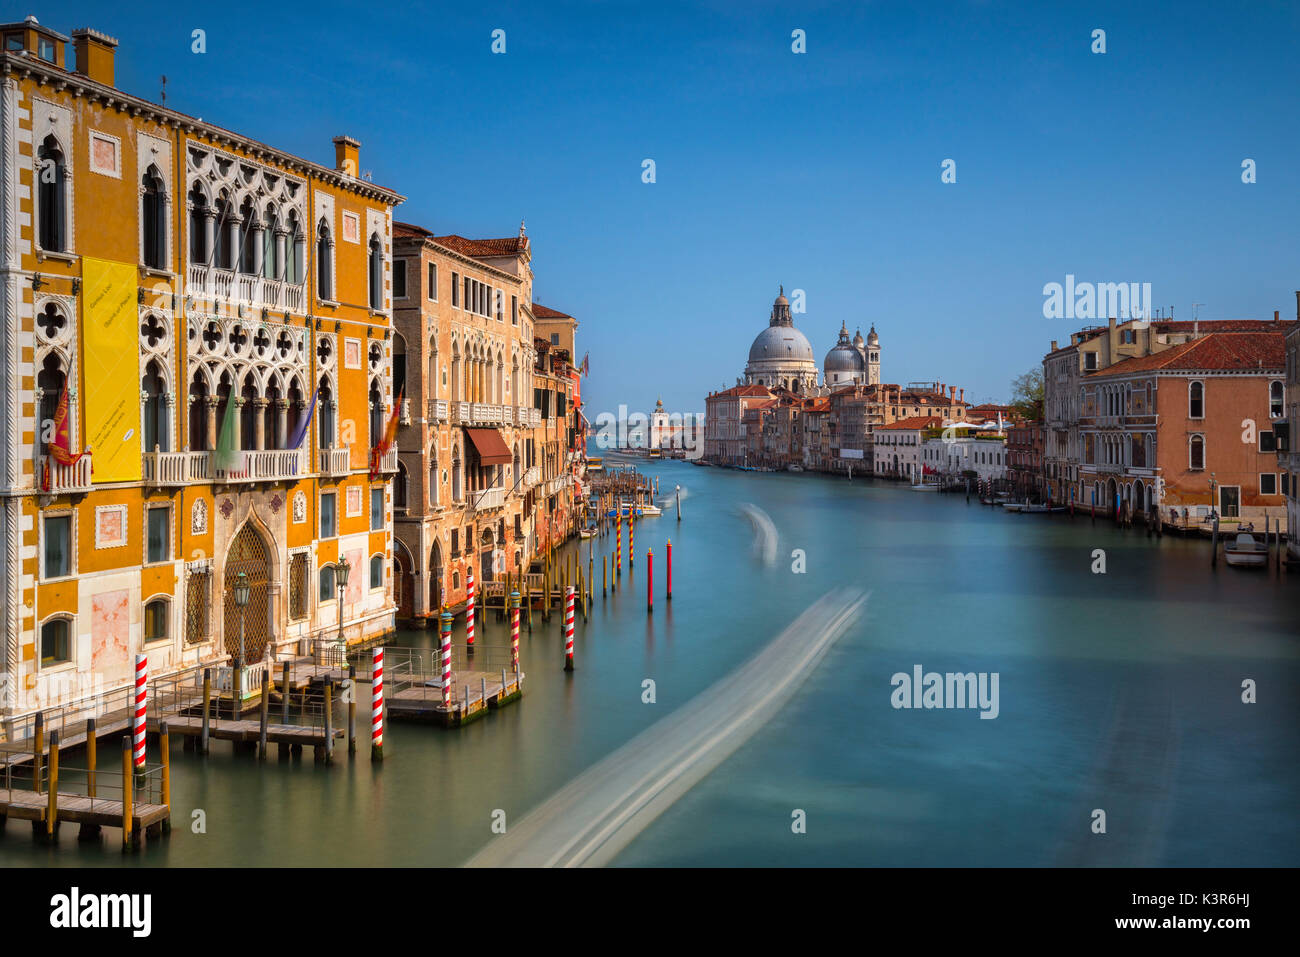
(435, 579)
(403, 583)
(248, 554)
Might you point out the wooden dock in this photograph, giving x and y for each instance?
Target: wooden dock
(90, 812)
(412, 695)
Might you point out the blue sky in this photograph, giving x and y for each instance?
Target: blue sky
(820, 171)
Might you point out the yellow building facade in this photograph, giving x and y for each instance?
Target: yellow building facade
(208, 320)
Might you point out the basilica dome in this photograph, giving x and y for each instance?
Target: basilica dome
(781, 356)
(781, 342)
(843, 359)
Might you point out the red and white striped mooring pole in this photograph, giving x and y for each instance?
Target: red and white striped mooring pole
(568, 628)
(141, 694)
(446, 659)
(514, 632)
(469, 611)
(377, 707)
(649, 580)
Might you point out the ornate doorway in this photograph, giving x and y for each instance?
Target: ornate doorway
(248, 554)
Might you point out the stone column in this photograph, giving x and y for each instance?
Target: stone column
(209, 237)
(211, 402)
(233, 242)
(281, 439)
(259, 423)
(259, 235)
(279, 266)
(239, 423)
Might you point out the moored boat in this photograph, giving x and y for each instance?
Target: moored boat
(1245, 551)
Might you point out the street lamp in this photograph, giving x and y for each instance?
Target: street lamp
(242, 591)
(341, 570)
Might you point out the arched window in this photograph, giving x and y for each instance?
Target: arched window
(1196, 400)
(434, 483)
(50, 381)
(325, 416)
(198, 432)
(153, 409)
(248, 415)
(56, 645)
(155, 619)
(153, 219)
(455, 473)
(298, 245)
(225, 232)
(248, 244)
(199, 251)
(376, 413)
(1276, 399)
(376, 273)
(327, 589)
(376, 571)
(324, 262)
(400, 488)
(1196, 452)
(399, 366)
(272, 246)
(52, 196)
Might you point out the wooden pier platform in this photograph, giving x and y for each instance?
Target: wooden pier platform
(29, 805)
(417, 697)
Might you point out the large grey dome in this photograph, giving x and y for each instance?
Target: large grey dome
(843, 357)
(781, 342)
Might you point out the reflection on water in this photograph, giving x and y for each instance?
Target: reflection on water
(1119, 692)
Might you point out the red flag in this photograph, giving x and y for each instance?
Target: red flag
(60, 447)
(390, 435)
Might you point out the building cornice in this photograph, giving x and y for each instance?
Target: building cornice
(79, 85)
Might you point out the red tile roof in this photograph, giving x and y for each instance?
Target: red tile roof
(546, 312)
(741, 390)
(914, 422)
(481, 248)
(1218, 351)
(1220, 325)
(409, 230)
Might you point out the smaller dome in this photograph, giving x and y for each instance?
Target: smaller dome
(871, 336)
(857, 339)
(843, 358)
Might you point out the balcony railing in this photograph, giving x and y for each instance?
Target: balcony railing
(461, 413)
(64, 478)
(437, 410)
(214, 283)
(487, 498)
(272, 465)
(388, 462)
(404, 416)
(176, 468)
(334, 461)
(488, 414)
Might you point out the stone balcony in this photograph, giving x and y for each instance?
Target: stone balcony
(487, 498)
(388, 462)
(334, 462)
(56, 478)
(532, 476)
(210, 282)
(271, 465)
(175, 469)
(438, 411)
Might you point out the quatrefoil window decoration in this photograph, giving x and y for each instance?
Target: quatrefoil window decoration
(324, 350)
(212, 336)
(284, 345)
(261, 343)
(152, 331)
(52, 322)
(238, 339)
(376, 355)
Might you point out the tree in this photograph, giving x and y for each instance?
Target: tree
(1027, 393)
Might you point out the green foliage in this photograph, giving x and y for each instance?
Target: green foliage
(1027, 393)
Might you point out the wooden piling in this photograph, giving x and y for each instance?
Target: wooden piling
(207, 709)
(352, 709)
(1214, 543)
(91, 748)
(284, 693)
(329, 720)
(237, 684)
(52, 787)
(164, 743)
(38, 748)
(127, 785)
(263, 714)
(604, 574)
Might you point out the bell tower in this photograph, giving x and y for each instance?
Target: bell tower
(873, 357)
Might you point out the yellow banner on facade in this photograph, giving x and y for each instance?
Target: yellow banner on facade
(111, 369)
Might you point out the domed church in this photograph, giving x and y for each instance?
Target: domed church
(853, 363)
(781, 356)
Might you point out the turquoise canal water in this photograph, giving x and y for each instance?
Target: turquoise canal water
(1118, 691)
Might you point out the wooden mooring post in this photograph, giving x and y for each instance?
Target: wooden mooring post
(92, 746)
(38, 747)
(207, 710)
(164, 743)
(52, 788)
(352, 708)
(263, 713)
(128, 784)
(284, 693)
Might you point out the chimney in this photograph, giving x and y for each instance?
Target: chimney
(1112, 323)
(1054, 344)
(952, 392)
(962, 395)
(1297, 305)
(95, 52)
(347, 156)
(1275, 315)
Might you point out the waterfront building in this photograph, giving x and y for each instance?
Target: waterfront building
(1187, 428)
(196, 342)
(964, 453)
(471, 427)
(1288, 454)
(862, 409)
(781, 356)
(725, 422)
(1094, 349)
(560, 446)
(896, 446)
(1025, 450)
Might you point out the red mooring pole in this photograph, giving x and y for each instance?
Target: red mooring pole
(649, 580)
(669, 596)
(568, 628)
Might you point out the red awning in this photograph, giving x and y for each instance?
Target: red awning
(491, 447)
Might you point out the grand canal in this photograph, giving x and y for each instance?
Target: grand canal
(1118, 691)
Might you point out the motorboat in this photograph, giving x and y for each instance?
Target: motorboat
(1245, 551)
(1013, 506)
(1043, 509)
(794, 468)
(926, 487)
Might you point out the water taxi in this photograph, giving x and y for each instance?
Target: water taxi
(1245, 551)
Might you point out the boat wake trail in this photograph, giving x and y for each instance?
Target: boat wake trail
(671, 497)
(764, 532)
(595, 816)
